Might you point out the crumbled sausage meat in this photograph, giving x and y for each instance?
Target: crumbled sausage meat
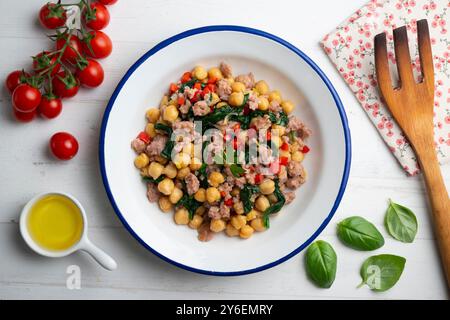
(192, 183)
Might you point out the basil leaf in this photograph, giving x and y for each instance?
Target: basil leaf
(382, 272)
(401, 222)
(237, 170)
(360, 234)
(150, 179)
(321, 263)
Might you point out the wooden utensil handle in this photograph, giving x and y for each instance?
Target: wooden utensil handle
(440, 204)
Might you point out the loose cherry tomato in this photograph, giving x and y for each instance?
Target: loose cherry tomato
(91, 75)
(14, 79)
(97, 44)
(96, 16)
(46, 60)
(63, 145)
(24, 116)
(70, 53)
(26, 98)
(52, 16)
(50, 106)
(65, 85)
(108, 2)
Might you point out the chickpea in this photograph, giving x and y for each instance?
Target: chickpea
(164, 101)
(170, 171)
(262, 203)
(170, 113)
(262, 87)
(238, 87)
(164, 204)
(258, 225)
(253, 214)
(144, 172)
(238, 221)
(235, 191)
(215, 179)
(276, 140)
(166, 186)
(189, 149)
(246, 232)
(298, 156)
(272, 198)
(212, 195)
(200, 195)
(285, 154)
(238, 207)
(215, 73)
(217, 225)
(196, 222)
(182, 160)
(221, 104)
(231, 231)
(181, 216)
(200, 211)
(155, 170)
(141, 161)
(195, 164)
(214, 99)
(153, 115)
(176, 195)
(150, 130)
(236, 99)
(267, 187)
(161, 159)
(263, 103)
(287, 106)
(230, 80)
(199, 73)
(275, 96)
(280, 129)
(183, 173)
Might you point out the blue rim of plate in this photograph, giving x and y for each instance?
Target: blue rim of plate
(256, 32)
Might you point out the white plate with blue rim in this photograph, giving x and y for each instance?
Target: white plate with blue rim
(285, 68)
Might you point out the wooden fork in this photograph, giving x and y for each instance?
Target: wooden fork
(411, 104)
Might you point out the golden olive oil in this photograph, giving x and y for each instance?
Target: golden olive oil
(55, 222)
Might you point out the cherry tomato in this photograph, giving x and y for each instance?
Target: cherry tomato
(108, 2)
(92, 74)
(26, 98)
(96, 17)
(50, 106)
(52, 16)
(74, 46)
(24, 116)
(44, 61)
(97, 45)
(14, 79)
(65, 85)
(63, 145)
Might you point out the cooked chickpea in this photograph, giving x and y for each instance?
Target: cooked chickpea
(230, 80)
(216, 178)
(181, 216)
(183, 173)
(258, 225)
(276, 140)
(235, 191)
(141, 161)
(267, 187)
(200, 195)
(196, 222)
(176, 195)
(199, 73)
(215, 73)
(200, 211)
(238, 87)
(155, 170)
(285, 154)
(246, 232)
(298, 156)
(279, 129)
(164, 101)
(182, 160)
(217, 225)
(164, 204)
(161, 159)
(287, 106)
(153, 115)
(195, 164)
(189, 149)
(150, 130)
(214, 99)
(236, 99)
(262, 203)
(275, 96)
(144, 172)
(166, 186)
(238, 207)
(262, 87)
(272, 198)
(170, 171)
(170, 113)
(263, 103)
(212, 195)
(253, 214)
(221, 104)
(231, 231)
(238, 221)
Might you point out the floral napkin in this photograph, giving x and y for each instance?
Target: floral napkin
(350, 48)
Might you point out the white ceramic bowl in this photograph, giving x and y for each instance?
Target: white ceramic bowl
(285, 68)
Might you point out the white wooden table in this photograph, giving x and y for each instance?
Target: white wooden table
(136, 26)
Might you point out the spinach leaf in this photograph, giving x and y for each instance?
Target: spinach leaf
(217, 115)
(246, 193)
(202, 170)
(189, 84)
(360, 234)
(150, 179)
(401, 222)
(275, 207)
(246, 96)
(165, 128)
(382, 272)
(167, 151)
(190, 204)
(283, 120)
(237, 170)
(321, 263)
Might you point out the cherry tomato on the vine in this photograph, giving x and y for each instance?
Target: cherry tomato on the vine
(14, 79)
(63, 145)
(52, 16)
(97, 44)
(46, 60)
(74, 45)
(96, 16)
(65, 85)
(91, 74)
(50, 106)
(26, 98)
(24, 116)
(108, 2)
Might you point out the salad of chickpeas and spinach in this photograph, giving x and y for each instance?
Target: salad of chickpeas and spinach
(225, 152)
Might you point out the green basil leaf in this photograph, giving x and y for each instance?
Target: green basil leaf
(237, 170)
(360, 234)
(321, 263)
(382, 272)
(401, 222)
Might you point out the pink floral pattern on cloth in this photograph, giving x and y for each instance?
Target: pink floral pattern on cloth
(350, 48)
